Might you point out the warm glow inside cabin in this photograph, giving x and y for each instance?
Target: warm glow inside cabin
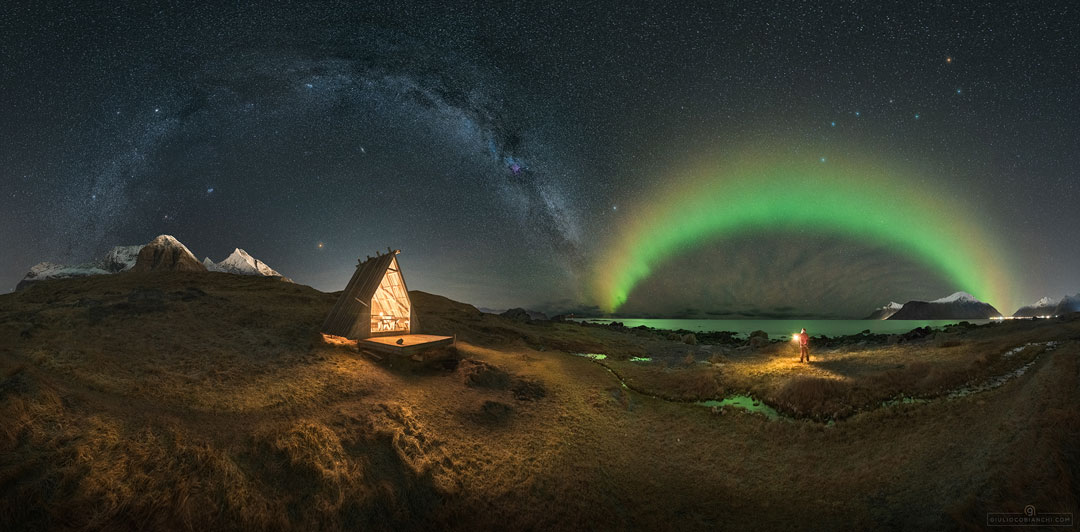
(374, 303)
(390, 307)
(375, 311)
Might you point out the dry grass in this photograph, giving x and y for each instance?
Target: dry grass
(208, 401)
(840, 383)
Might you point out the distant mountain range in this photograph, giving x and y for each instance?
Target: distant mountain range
(958, 306)
(241, 263)
(1049, 307)
(883, 313)
(164, 253)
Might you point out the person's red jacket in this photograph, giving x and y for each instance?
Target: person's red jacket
(804, 338)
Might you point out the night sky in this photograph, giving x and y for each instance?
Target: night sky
(519, 154)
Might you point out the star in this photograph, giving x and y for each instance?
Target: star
(210, 190)
(320, 245)
(614, 207)
(157, 109)
(822, 159)
(948, 59)
(858, 113)
(833, 124)
(957, 91)
(916, 116)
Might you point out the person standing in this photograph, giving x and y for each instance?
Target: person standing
(804, 346)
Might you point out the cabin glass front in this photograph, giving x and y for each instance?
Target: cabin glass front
(390, 307)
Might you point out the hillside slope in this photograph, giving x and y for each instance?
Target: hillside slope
(210, 401)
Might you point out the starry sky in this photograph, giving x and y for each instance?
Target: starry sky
(506, 148)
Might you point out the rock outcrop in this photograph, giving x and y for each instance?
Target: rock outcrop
(166, 253)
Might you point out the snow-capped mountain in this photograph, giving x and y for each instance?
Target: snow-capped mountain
(1046, 302)
(958, 306)
(883, 313)
(1067, 304)
(118, 259)
(1043, 307)
(166, 253)
(957, 297)
(44, 271)
(242, 263)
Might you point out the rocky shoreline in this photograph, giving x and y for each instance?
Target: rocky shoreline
(760, 338)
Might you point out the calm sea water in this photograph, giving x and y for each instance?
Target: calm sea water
(784, 328)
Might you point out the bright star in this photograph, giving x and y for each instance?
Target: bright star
(916, 116)
(822, 159)
(957, 91)
(858, 113)
(157, 109)
(833, 124)
(308, 85)
(614, 207)
(210, 190)
(320, 245)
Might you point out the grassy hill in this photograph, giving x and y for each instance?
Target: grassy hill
(211, 401)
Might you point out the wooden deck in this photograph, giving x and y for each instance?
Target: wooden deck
(411, 343)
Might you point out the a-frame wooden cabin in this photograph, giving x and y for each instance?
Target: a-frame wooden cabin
(375, 309)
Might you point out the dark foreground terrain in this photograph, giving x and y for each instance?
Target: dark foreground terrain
(210, 401)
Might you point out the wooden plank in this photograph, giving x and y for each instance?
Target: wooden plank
(411, 343)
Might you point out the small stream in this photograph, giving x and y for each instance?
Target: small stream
(744, 402)
(755, 406)
(747, 403)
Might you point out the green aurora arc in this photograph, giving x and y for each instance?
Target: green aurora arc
(862, 203)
